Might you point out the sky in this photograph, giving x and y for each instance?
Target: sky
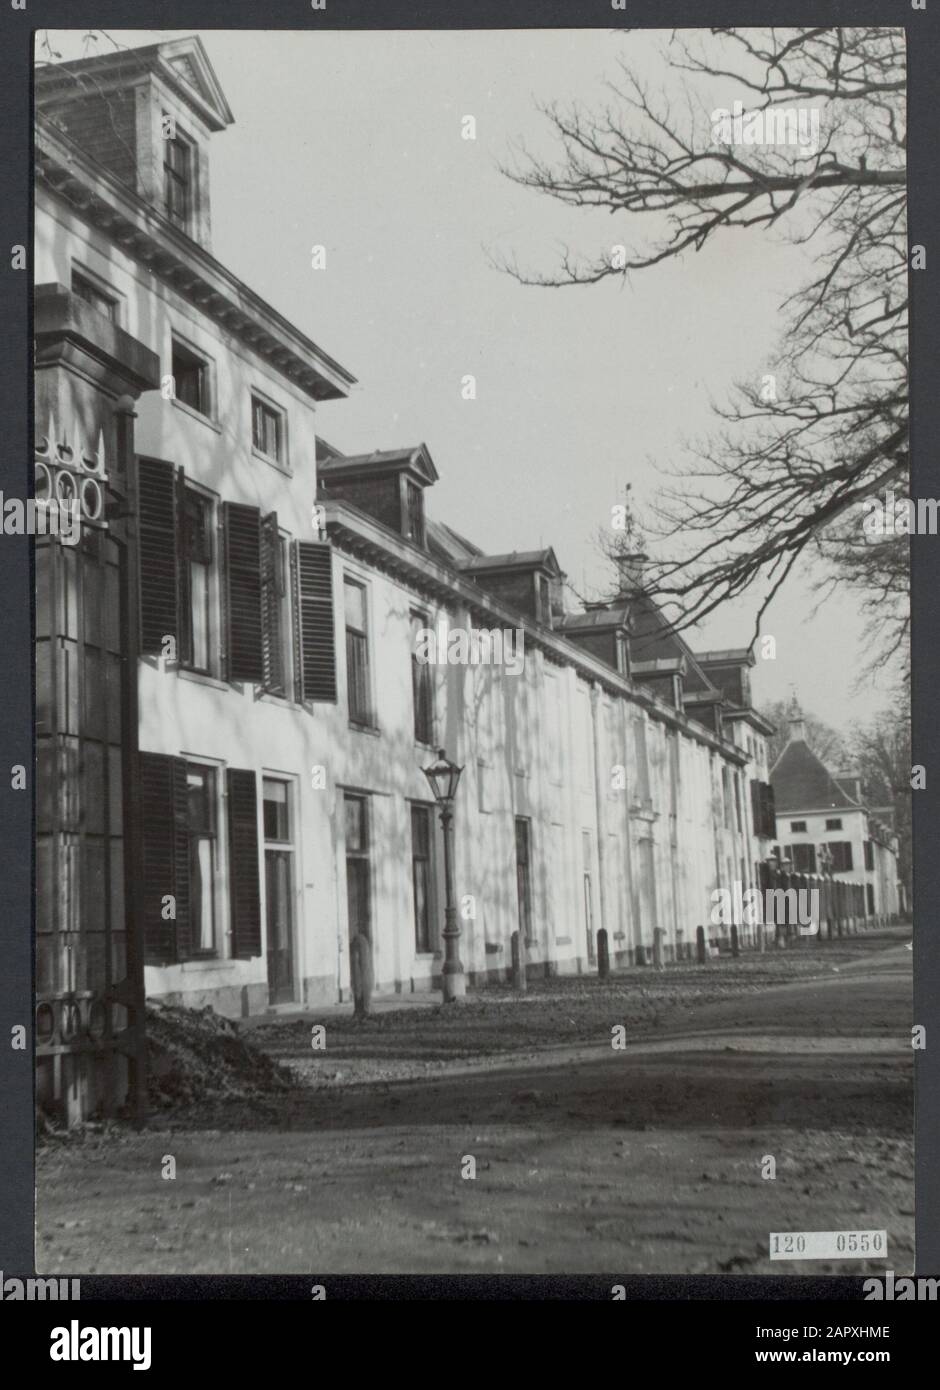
(352, 142)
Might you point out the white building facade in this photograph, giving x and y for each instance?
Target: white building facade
(284, 715)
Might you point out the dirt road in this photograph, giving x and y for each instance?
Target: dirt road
(650, 1158)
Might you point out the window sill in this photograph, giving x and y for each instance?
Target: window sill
(265, 697)
(207, 963)
(281, 467)
(201, 678)
(371, 729)
(195, 414)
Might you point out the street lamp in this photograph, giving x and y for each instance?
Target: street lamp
(443, 777)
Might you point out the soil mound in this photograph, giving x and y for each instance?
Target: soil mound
(197, 1055)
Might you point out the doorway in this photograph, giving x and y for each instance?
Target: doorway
(523, 881)
(358, 894)
(279, 890)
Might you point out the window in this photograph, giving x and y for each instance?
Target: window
(835, 824)
(414, 512)
(804, 859)
(267, 429)
(357, 652)
(259, 590)
(191, 378)
(85, 289)
(421, 829)
(195, 574)
(798, 827)
(841, 851)
(177, 181)
(869, 855)
(421, 687)
(201, 829)
(179, 856)
(275, 598)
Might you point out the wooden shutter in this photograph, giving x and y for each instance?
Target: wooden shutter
(164, 858)
(241, 530)
(313, 608)
(271, 593)
(244, 880)
(158, 548)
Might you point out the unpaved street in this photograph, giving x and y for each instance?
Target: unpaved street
(647, 1159)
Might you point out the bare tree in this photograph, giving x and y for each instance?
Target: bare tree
(882, 749)
(826, 427)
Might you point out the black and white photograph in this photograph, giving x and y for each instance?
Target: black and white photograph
(473, 770)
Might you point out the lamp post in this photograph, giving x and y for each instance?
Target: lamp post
(443, 777)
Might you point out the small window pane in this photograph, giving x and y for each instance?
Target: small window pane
(276, 810)
(355, 599)
(266, 429)
(356, 832)
(200, 783)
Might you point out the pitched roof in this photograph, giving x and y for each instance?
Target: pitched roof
(415, 458)
(515, 560)
(448, 544)
(802, 782)
(615, 616)
(183, 64)
(653, 638)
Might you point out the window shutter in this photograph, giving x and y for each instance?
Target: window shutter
(313, 606)
(241, 530)
(158, 551)
(272, 638)
(770, 828)
(164, 858)
(244, 880)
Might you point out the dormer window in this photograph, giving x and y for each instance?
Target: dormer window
(178, 181)
(147, 116)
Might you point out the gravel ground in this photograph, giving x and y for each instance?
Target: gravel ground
(645, 1159)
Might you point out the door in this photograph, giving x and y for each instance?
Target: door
(277, 878)
(587, 860)
(358, 894)
(523, 881)
(279, 890)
